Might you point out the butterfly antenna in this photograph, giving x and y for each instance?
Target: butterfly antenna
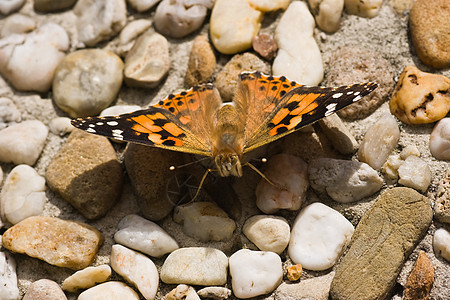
(172, 168)
(278, 186)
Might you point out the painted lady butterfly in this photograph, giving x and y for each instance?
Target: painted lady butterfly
(265, 108)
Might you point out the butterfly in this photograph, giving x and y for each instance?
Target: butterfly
(264, 109)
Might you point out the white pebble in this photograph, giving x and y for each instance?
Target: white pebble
(268, 233)
(440, 140)
(133, 29)
(182, 292)
(9, 114)
(390, 167)
(10, 6)
(214, 292)
(86, 278)
(118, 110)
(327, 13)
(137, 269)
(298, 56)
(142, 5)
(8, 277)
(366, 8)
(319, 236)
(22, 143)
(145, 236)
(254, 273)
(111, 290)
(1, 180)
(60, 126)
(441, 243)
(269, 5)
(204, 221)
(409, 150)
(415, 173)
(317, 288)
(17, 23)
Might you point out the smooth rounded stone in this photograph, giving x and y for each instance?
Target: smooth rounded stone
(23, 194)
(202, 62)
(119, 110)
(182, 292)
(44, 289)
(442, 202)
(111, 290)
(99, 20)
(269, 5)
(204, 221)
(379, 141)
(429, 25)
(86, 173)
(9, 114)
(60, 126)
(265, 45)
(17, 23)
(52, 5)
(440, 140)
(8, 277)
(289, 172)
(254, 273)
(366, 9)
(178, 18)
(18, 52)
(122, 45)
(145, 236)
(339, 135)
(441, 243)
(137, 269)
(327, 13)
(62, 243)
(86, 278)
(319, 236)
(316, 288)
(196, 266)
(380, 245)
(214, 292)
(233, 24)
(22, 143)
(142, 5)
(227, 79)
(87, 81)
(401, 7)
(148, 62)
(343, 180)
(357, 64)
(420, 97)
(9, 6)
(420, 279)
(415, 173)
(298, 55)
(268, 233)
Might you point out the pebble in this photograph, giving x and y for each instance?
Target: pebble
(401, 7)
(343, 180)
(60, 126)
(420, 279)
(182, 292)
(87, 81)
(289, 172)
(319, 236)
(196, 266)
(86, 278)
(227, 79)
(316, 288)
(202, 62)
(441, 243)
(111, 290)
(148, 62)
(87, 174)
(22, 143)
(204, 221)
(380, 245)
(254, 273)
(8, 277)
(442, 202)
(23, 194)
(145, 236)
(99, 20)
(339, 135)
(62, 243)
(129, 34)
(137, 269)
(18, 52)
(142, 5)
(327, 13)
(17, 23)
(365, 9)
(268, 233)
(9, 114)
(52, 5)
(420, 97)
(379, 141)
(298, 56)
(178, 18)
(293, 273)
(44, 289)
(356, 64)
(214, 292)
(9, 6)
(233, 24)
(429, 26)
(271, 5)
(1, 180)
(408, 151)
(414, 172)
(265, 45)
(116, 110)
(440, 140)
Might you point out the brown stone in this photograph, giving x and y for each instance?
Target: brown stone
(442, 203)
(265, 46)
(202, 62)
(44, 289)
(294, 272)
(420, 279)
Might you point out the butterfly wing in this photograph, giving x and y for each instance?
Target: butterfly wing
(181, 122)
(275, 106)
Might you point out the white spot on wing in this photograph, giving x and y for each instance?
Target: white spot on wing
(112, 123)
(349, 92)
(356, 93)
(90, 130)
(99, 123)
(330, 109)
(337, 95)
(92, 125)
(356, 98)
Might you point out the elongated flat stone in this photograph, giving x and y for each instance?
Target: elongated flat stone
(382, 241)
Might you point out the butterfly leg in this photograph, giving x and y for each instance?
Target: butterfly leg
(200, 185)
(278, 186)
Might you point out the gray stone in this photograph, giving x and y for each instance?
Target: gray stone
(340, 137)
(52, 5)
(44, 289)
(9, 6)
(442, 203)
(202, 62)
(8, 277)
(316, 288)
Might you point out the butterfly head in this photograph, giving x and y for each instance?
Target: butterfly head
(228, 164)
